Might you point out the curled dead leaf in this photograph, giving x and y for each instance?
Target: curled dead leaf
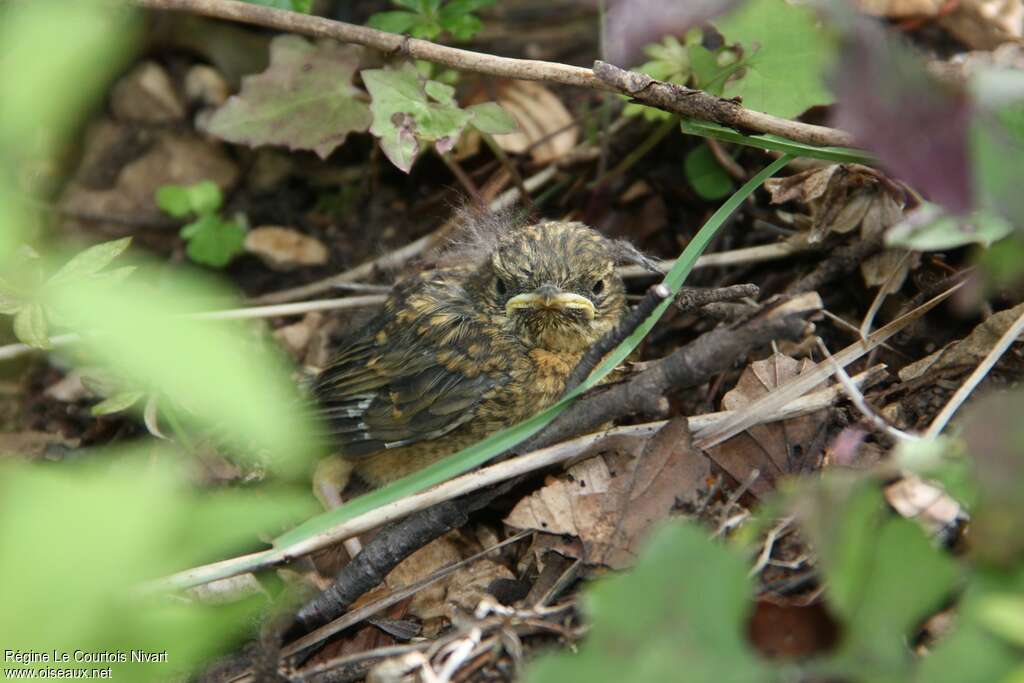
(774, 448)
(546, 128)
(611, 501)
(842, 197)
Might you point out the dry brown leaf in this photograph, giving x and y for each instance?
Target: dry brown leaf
(285, 249)
(928, 504)
(842, 197)
(774, 448)
(461, 590)
(540, 115)
(295, 338)
(900, 9)
(878, 268)
(985, 24)
(610, 501)
(970, 350)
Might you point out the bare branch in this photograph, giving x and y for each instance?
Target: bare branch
(605, 77)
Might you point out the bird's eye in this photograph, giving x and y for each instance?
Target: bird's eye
(500, 287)
(598, 287)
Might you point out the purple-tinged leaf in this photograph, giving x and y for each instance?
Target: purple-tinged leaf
(632, 24)
(917, 125)
(304, 100)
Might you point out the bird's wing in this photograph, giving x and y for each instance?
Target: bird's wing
(417, 382)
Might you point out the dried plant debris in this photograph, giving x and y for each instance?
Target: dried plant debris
(842, 198)
(546, 129)
(761, 455)
(611, 501)
(969, 351)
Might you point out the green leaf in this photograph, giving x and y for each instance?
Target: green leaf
(683, 607)
(929, 228)
(786, 55)
(442, 93)
(204, 197)
(842, 155)
(91, 261)
(883, 575)
(174, 199)
(305, 99)
(118, 402)
(460, 7)
(404, 118)
(706, 175)
(30, 326)
(484, 450)
(462, 27)
(426, 30)
(11, 300)
(72, 47)
(1003, 261)
(975, 651)
(213, 242)
(490, 118)
(393, 22)
(64, 559)
(303, 6)
(145, 337)
(997, 141)
(906, 579)
(1003, 615)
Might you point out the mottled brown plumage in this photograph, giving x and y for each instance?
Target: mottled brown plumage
(462, 351)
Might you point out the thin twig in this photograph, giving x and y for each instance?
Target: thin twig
(639, 313)
(758, 254)
(356, 616)
(861, 403)
(472, 481)
(604, 77)
(15, 350)
(885, 290)
(803, 382)
(993, 356)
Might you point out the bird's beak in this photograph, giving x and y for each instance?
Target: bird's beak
(552, 298)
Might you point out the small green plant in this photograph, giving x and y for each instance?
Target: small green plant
(212, 240)
(24, 295)
(691, 63)
(428, 19)
(303, 6)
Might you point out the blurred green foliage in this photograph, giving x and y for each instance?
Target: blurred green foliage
(428, 19)
(75, 540)
(681, 613)
(304, 6)
(24, 290)
(688, 63)
(212, 241)
(705, 175)
(678, 615)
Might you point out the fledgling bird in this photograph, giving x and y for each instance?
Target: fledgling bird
(463, 351)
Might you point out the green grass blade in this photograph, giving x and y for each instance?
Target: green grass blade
(842, 155)
(484, 450)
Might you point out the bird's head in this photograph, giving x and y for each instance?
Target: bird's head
(553, 285)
